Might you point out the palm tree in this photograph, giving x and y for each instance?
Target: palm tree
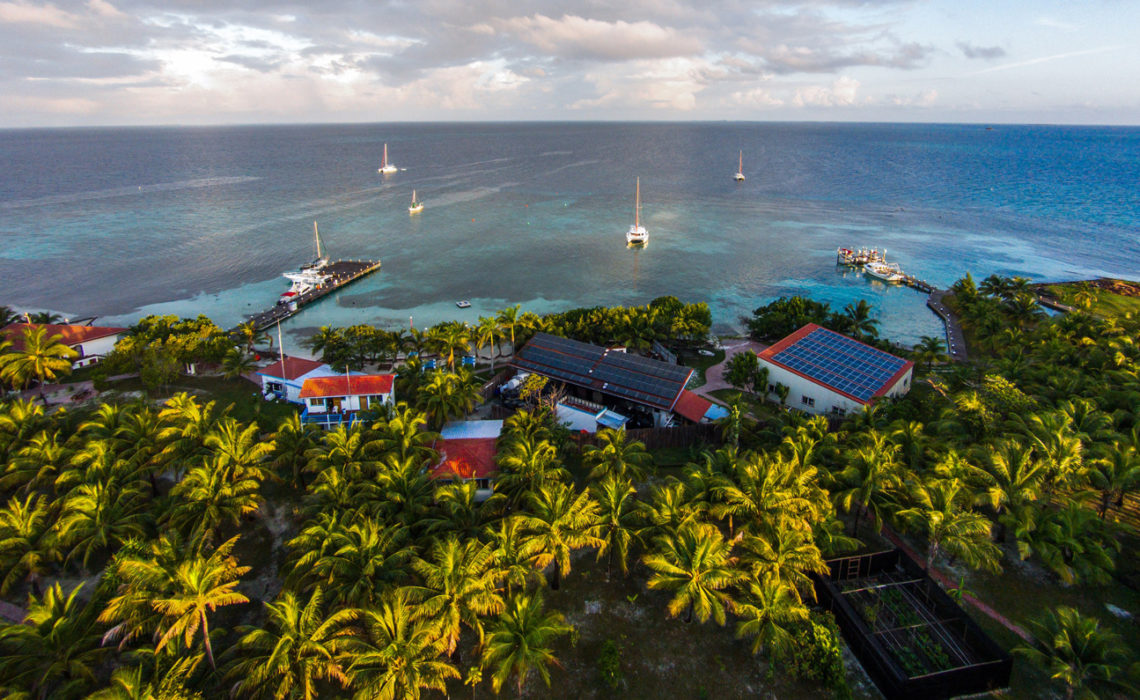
(1061, 450)
(1079, 654)
(8, 316)
(291, 445)
(403, 432)
(55, 652)
(487, 333)
(19, 420)
(942, 512)
(930, 349)
(173, 595)
(1015, 480)
(407, 490)
(508, 320)
(238, 449)
(768, 611)
(296, 647)
(207, 499)
(27, 542)
(345, 450)
(786, 555)
(562, 520)
(768, 491)
(618, 520)
(362, 561)
(237, 363)
(865, 483)
(100, 517)
(526, 466)
(446, 395)
(858, 316)
(457, 511)
(129, 683)
(520, 641)
(1115, 475)
(617, 456)
(452, 338)
(459, 586)
(516, 552)
(696, 564)
(395, 654)
(38, 463)
(246, 332)
(42, 359)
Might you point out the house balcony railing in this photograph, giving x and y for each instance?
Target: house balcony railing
(329, 420)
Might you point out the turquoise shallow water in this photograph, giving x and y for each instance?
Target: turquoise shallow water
(124, 222)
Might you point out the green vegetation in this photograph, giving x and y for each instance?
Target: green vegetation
(201, 546)
(1108, 298)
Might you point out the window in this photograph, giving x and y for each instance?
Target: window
(316, 403)
(275, 386)
(808, 401)
(771, 388)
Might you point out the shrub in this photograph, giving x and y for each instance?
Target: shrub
(817, 656)
(609, 664)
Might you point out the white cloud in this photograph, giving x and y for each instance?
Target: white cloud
(579, 37)
(26, 13)
(843, 92)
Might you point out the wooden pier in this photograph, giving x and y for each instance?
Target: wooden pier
(343, 272)
(912, 281)
(955, 339)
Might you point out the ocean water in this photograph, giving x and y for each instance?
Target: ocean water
(120, 223)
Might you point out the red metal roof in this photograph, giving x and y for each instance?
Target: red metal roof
(465, 458)
(692, 406)
(72, 335)
(356, 385)
(293, 367)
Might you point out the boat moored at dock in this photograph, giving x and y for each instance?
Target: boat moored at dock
(862, 256)
(888, 272)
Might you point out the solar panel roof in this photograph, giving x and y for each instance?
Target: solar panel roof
(632, 377)
(836, 361)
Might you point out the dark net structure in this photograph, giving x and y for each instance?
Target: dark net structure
(910, 636)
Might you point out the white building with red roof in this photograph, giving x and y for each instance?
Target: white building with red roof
(332, 400)
(827, 372)
(92, 343)
(285, 377)
(467, 452)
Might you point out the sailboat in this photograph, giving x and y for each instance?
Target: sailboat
(309, 276)
(385, 166)
(739, 176)
(417, 206)
(637, 232)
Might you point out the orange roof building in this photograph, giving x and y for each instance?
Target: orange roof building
(338, 399)
(91, 342)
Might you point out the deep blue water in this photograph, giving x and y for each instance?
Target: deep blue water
(123, 222)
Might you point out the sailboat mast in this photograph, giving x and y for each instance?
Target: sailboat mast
(384, 162)
(637, 205)
(317, 235)
(740, 168)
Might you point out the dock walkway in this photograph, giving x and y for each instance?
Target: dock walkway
(343, 272)
(955, 339)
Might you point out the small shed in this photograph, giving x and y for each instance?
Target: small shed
(467, 451)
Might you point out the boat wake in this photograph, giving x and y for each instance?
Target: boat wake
(126, 191)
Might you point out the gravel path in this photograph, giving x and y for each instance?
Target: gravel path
(714, 376)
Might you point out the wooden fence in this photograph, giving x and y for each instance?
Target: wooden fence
(659, 438)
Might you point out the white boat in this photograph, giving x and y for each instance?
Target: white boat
(739, 176)
(386, 167)
(417, 206)
(309, 276)
(637, 233)
(888, 272)
(463, 304)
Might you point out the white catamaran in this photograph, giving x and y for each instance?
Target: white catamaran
(739, 176)
(637, 233)
(309, 276)
(385, 166)
(417, 205)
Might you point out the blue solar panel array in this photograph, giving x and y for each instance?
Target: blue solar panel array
(840, 363)
(619, 374)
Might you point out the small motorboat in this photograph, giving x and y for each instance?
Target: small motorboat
(463, 304)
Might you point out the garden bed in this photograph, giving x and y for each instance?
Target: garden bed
(907, 632)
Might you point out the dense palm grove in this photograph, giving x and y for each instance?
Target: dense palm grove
(134, 533)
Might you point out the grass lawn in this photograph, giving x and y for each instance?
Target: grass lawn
(1107, 303)
(660, 657)
(244, 396)
(700, 363)
(751, 403)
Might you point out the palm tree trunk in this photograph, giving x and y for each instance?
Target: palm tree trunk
(689, 614)
(557, 577)
(206, 639)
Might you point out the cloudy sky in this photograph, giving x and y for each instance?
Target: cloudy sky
(102, 62)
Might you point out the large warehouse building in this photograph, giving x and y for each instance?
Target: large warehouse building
(827, 372)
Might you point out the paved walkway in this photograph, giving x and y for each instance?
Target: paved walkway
(955, 340)
(714, 376)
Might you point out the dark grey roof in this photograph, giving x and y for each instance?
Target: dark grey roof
(639, 379)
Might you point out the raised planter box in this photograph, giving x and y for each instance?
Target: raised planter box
(910, 636)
